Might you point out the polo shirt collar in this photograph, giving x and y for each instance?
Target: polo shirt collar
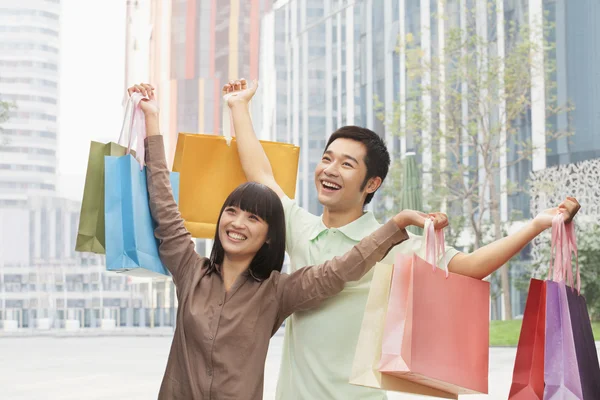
(355, 230)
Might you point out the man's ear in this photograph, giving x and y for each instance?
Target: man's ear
(373, 184)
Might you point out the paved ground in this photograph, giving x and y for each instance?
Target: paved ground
(131, 368)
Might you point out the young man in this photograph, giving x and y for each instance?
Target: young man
(319, 345)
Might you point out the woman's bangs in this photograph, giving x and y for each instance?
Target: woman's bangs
(253, 198)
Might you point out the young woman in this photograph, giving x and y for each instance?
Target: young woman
(232, 303)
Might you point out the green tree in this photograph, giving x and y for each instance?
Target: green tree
(465, 110)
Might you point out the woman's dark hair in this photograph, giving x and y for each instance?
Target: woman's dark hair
(259, 200)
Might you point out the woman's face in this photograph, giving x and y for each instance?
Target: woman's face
(241, 233)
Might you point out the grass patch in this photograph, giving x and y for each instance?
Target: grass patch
(506, 333)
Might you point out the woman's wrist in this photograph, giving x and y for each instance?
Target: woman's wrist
(152, 126)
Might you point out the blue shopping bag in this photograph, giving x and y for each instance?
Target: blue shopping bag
(131, 247)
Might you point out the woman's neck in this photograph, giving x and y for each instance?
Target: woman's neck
(232, 268)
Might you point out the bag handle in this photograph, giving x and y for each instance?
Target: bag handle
(138, 131)
(134, 128)
(126, 118)
(563, 245)
(572, 238)
(435, 245)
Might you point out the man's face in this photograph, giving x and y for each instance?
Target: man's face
(340, 175)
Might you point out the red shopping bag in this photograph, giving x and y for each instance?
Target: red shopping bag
(528, 373)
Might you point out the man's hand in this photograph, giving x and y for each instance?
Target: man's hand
(567, 208)
(241, 92)
(416, 218)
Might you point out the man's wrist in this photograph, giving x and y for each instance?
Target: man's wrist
(538, 226)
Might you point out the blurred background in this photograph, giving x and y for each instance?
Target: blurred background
(496, 102)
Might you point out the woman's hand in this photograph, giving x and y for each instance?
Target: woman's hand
(416, 218)
(148, 104)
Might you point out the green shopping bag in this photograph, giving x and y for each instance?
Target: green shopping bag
(90, 234)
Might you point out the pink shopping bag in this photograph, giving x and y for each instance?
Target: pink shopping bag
(437, 324)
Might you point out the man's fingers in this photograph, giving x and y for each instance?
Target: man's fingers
(226, 89)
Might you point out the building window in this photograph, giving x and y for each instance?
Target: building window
(30, 64)
(30, 133)
(45, 234)
(32, 235)
(29, 150)
(29, 13)
(23, 97)
(34, 168)
(32, 116)
(29, 29)
(74, 223)
(21, 185)
(60, 232)
(28, 47)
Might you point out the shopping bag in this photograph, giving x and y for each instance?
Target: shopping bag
(528, 372)
(428, 314)
(210, 170)
(561, 371)
(583, 336)
(90, 233)
(368, 348)
(585, 346)
(131, 247)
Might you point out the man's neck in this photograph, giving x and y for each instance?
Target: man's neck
(336, 219)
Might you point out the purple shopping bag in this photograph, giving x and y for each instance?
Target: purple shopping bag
(585, 346)
(561, 370)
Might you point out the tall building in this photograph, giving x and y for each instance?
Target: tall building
(328, 62)
(29, 71)
(44, 283)
(577, 52)
(331, 59)
(189, 49)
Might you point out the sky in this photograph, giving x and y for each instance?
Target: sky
(91, 84)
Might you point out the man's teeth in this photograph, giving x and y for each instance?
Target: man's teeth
(236, 236)
(330, 185)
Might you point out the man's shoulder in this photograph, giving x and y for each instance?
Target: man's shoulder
(293, 212)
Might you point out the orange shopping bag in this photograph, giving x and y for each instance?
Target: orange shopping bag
(437, 324)
(209, 170)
